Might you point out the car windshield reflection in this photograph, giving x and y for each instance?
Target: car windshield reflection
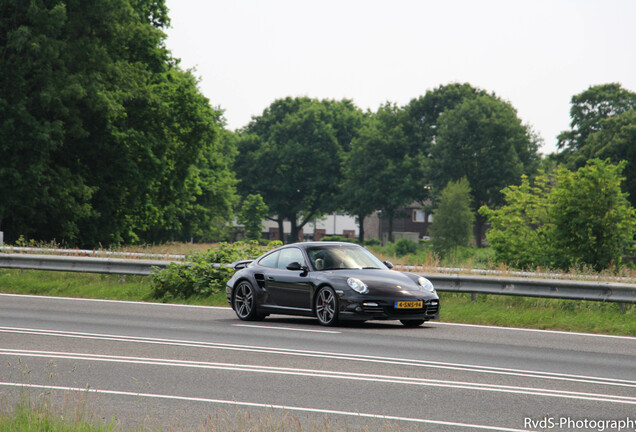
(340, 258)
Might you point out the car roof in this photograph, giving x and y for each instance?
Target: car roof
(322, 243)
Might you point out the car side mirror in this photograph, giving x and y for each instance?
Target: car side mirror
(389, 264)
(296, 266)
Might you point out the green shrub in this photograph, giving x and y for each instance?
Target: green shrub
(203, 274)
(372, 242)
(338, 238)
(405, 246)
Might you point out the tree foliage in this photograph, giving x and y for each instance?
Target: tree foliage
(589, 109)
(252, 213)
(385, 170)
(422, 113)
(453, 217)
(594, 224)
(483, 140)
(584, 219)
(520, 229)
(291, 156)
(104, 139)
(616, 140)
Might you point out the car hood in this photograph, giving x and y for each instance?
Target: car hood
(382, 282)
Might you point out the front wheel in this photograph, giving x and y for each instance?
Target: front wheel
(327, 307)
(244, 302)
(412, 323)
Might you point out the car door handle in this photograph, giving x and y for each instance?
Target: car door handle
(270, 278)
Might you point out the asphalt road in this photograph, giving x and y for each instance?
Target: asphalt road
(200, 368)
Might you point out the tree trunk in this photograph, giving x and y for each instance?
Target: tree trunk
(478, 229)
(390, 216)
(293, 237)
(361, 231)
(281, 228)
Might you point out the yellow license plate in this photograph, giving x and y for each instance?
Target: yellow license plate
(409, 304)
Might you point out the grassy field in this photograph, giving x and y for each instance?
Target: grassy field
(567, 315)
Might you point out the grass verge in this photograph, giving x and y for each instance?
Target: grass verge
(40, 415)
(539, 313)
(507, 311)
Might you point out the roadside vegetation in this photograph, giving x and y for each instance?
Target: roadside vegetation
(42, 416)
(39, 414)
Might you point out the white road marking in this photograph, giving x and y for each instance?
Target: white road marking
(262, 405)
(337, 356)
(559, 332)
(374, 378)
(116, 301)
(285, 328)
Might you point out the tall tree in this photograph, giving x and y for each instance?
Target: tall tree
(588, 110)
(291, 156)
(253, 212)
(422, 113)
(483, 140)
(104, 138)
(358, 194)
(616, 141)
(453, 217)
(387, 167)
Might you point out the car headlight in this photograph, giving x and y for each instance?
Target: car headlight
(357, 285)
(425, 284)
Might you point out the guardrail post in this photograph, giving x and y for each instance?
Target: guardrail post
(473, 297)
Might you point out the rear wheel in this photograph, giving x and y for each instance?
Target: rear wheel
(327, 307)
(245, 302)
(412, 323)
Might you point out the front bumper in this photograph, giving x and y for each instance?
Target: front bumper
(383, 309)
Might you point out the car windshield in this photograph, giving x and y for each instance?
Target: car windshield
(342, 257)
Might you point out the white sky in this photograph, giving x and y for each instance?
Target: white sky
(536, 54)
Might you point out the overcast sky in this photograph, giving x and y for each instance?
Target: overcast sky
(535, 54)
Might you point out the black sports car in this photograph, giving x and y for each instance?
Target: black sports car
(332, 281)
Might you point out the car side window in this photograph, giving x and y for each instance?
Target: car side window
(269, 260)
(290, 255)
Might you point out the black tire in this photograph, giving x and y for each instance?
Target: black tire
(412, 323)
(244, 302)
(326, 306)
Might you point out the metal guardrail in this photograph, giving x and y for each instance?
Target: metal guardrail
(90, 252)
(533, 287)
(517, 286)
(80, 264)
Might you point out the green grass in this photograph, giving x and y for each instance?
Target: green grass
(508, 311)
(89, 285)
(39, 416)
(539, 313)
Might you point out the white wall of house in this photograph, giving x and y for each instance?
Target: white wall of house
(333, 224)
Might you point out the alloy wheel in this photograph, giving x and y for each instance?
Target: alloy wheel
(326, 307)
(244, 300)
